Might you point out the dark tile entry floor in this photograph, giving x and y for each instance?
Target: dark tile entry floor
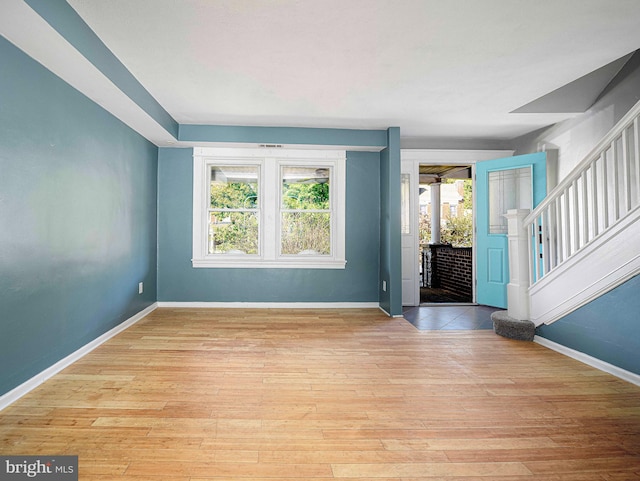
(435, 294)
(435, 318)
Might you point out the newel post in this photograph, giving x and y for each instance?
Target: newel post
(518, 287)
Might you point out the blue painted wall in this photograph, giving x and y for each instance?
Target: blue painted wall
(390, 237)
(607, 328)
(283, 135)
(180, 282)
(77, 219)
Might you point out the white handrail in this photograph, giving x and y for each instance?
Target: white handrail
(599, 192)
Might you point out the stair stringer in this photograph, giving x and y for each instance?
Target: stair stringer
(608, 261)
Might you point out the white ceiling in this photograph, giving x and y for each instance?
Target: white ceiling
(445, 69)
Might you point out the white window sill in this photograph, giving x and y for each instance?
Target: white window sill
(256, 263)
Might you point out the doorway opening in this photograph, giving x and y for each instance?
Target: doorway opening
(445, 228)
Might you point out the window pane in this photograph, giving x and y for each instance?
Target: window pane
(306, 233)
(405, 206)
(234, 187)
(305, 187)
(508, 189)
(233, 233)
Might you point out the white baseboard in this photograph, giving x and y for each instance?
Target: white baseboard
(385, 311)
(35, 381)
(591, 361)
(271, 305)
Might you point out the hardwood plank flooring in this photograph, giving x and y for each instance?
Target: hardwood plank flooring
(241, 394)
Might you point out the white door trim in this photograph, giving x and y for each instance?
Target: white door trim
(415, 157)
(409, 241)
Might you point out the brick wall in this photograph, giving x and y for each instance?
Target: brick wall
(452, 268)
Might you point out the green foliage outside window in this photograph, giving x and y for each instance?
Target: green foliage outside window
(306, 232)
(458, 231)
(306, 196)
(455, 230)
(234, 195)
(233, 231)
(236, 231)
(302, 232)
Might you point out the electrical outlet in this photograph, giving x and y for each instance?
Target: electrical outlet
(140, 287)
(384, 286)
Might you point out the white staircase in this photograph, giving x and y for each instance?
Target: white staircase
(584, 238)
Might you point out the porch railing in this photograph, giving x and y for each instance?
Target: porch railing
(601, 191)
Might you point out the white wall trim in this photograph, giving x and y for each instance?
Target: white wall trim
(268, 163)
(608, 261)
(269, 305)
(35, 381)
(255, 262)
(589, 360)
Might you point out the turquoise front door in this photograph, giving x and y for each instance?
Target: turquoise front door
(517, 182)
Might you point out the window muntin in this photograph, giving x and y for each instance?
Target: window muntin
(287, 209)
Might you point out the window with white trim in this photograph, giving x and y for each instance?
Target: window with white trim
(269, 207)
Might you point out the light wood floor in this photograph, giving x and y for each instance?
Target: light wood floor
(351, 394)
